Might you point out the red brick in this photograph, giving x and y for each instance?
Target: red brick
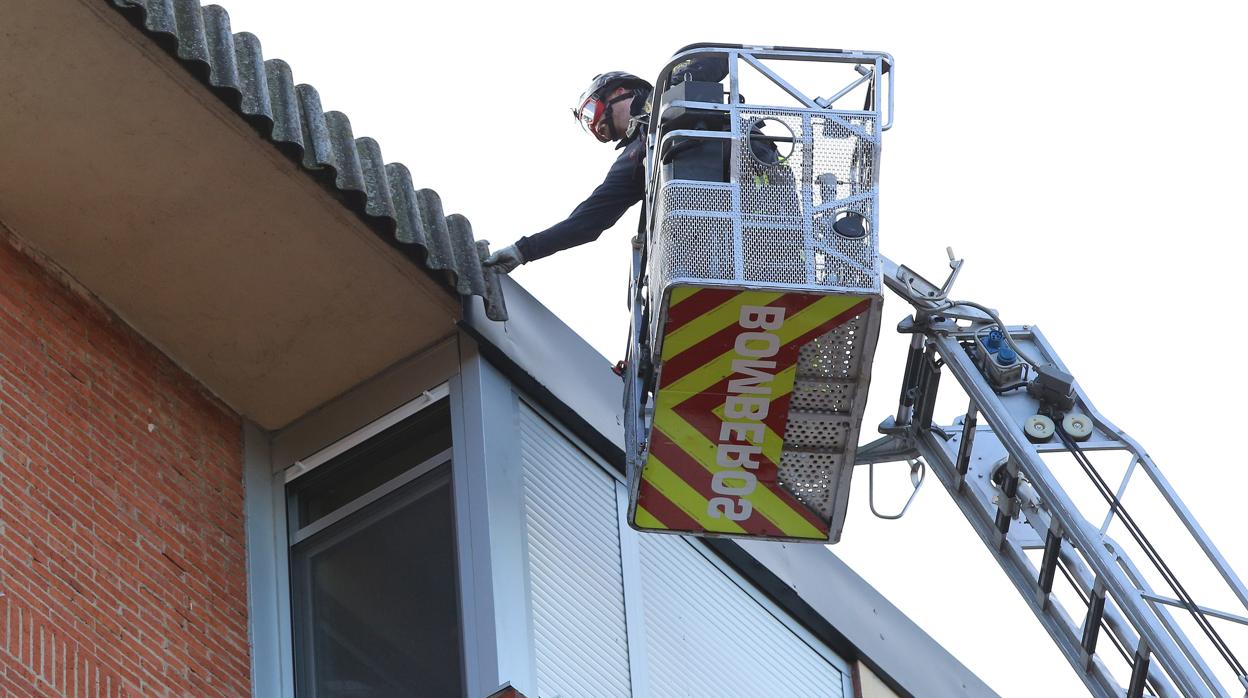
(121, 549)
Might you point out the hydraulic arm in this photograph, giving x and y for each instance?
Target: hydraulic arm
(1029, 440)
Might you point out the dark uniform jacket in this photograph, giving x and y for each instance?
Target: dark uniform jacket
(625, 183)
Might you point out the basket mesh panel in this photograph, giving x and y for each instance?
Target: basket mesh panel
(809, 477)
(821, 415)
(835, 355)
(816, 396)
(684, 196)
(785, 209)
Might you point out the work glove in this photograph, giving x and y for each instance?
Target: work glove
(506, 259)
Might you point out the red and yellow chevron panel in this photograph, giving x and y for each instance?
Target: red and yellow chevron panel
(728, 364)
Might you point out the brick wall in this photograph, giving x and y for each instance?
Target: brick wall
(122, 561)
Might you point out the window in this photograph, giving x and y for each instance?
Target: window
(375, 611)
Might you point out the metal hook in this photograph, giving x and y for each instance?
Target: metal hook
(918, 473)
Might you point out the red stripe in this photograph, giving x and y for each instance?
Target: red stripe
(699, 478)
(660, 507)
(697, 304)
(718, 344)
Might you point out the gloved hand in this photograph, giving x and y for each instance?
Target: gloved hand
(506, 259)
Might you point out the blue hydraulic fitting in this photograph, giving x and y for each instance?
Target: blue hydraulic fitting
(1006, 356)
(994, 341)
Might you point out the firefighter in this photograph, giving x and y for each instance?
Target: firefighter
(612, 109)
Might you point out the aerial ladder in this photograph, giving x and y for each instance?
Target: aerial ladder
(755, 301)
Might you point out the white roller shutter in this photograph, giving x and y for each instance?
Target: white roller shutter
(574, 567)
(706, 636)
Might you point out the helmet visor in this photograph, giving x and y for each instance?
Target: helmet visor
(590, 114)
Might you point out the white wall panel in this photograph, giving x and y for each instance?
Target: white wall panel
(706, 636)
(575, 577)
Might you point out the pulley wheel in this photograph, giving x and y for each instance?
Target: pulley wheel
(1038, 428)
(1077, 426)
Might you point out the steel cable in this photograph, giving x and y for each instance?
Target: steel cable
(1155, 557)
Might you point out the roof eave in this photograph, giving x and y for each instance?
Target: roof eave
(290, 117)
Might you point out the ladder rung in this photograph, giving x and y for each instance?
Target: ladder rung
(1139, 674)
(968, 441)
(1048, 565)
(1009, 490)
(929, 383)
(1092, 624)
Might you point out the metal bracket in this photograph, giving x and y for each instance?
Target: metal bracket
(920, 289)
(886, 449)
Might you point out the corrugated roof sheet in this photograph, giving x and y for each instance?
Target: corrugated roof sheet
(265, 94)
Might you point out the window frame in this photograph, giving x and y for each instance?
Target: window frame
(296, 534)
(435, 477)
(426, 399)
(291, 535)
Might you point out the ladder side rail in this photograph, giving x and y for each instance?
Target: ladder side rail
(980, 513)
(1212, 554)
(1029, 533)
(1119, 627)
(1163, 614)
(1083, 581)
(926, 308)
(1154, 556)
(1039, 520)
(1077, 528)
(1163, 486)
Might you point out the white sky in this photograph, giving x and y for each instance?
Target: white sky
(1087, 159)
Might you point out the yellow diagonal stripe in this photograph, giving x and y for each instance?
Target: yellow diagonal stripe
(680, 293)
(764, 501)
(685, 497)
(723, 315)
(644, 519)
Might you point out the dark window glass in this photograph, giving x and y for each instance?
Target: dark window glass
(373, 586)
(371, 464)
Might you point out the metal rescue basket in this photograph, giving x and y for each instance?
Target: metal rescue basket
(756, 293)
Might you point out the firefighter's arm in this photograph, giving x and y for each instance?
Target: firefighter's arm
(623, 186)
